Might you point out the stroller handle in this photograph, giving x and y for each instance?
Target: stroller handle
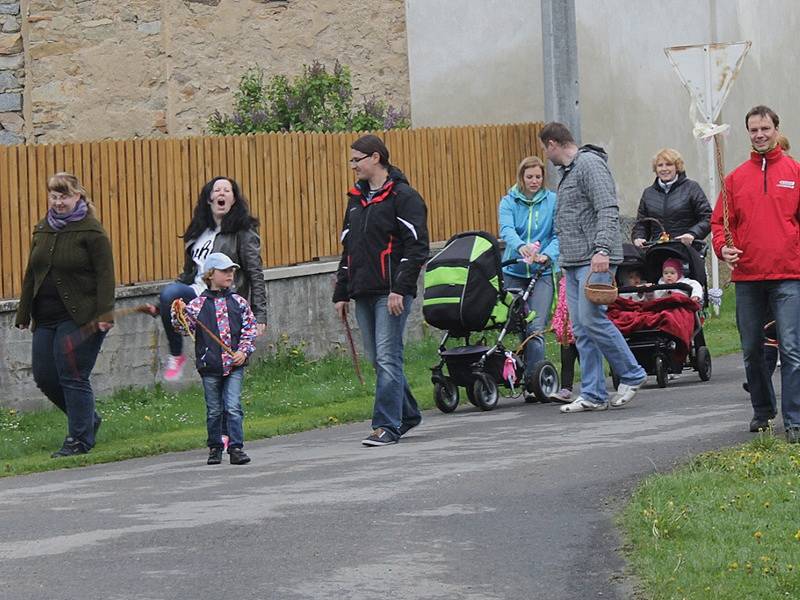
(513, 261)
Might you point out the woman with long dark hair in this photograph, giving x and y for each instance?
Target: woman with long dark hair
(67, 301)
(221, 222)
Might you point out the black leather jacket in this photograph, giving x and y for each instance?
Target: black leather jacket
(685, 209)
(243, 248)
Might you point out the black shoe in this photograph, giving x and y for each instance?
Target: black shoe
(530, 397)
(214, 456)
(238, 456)
(70, 447)
(379, 437)
(406, 427)
(759, 424)
(793, 435)
(746, 387)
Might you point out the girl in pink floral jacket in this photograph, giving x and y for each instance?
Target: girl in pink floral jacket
(565, 336)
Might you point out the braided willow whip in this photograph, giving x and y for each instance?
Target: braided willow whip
(183, 319)
(724, 190)
(536, 333)
(81, 335)
(353, 352)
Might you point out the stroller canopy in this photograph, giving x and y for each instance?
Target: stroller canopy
(464, 285)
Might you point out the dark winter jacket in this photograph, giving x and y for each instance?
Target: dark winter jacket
(385, 240)
(685, 209)
(243, 248)
(226, 315)
(80, 262)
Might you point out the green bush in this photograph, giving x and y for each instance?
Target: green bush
(317, 100)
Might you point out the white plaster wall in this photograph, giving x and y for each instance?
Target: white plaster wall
(474, 61)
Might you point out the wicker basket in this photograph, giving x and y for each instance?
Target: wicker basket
(600, 293)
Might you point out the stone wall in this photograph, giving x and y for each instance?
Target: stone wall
(109, 69)
(12, 73)
(299, 311)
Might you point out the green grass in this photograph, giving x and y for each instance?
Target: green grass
(725, 526)
(282, 394)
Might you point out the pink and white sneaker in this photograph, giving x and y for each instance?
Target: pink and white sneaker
(225, 441)
(174, 367)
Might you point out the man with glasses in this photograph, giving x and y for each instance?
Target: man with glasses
(385, 240)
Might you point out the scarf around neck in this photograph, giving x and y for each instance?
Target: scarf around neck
(58, 222)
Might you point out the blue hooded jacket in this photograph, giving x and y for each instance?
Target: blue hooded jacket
(524, 221)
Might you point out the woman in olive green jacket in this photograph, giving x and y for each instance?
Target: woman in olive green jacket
(68, 286)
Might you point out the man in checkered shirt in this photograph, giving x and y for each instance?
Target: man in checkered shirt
(587, 226)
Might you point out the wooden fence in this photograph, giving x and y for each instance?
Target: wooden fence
(145, 189)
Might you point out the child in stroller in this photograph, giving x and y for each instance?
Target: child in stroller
(664, 333)
(465, 295)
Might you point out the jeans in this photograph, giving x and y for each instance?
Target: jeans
(382, 334)
(753, 299)
(62, 363)
(169, 294)
(596, 337)
(223, 400)
(540, 301)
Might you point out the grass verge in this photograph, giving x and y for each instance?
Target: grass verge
(282, 394)
(724, 526)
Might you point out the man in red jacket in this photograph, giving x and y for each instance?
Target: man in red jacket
(763, 207)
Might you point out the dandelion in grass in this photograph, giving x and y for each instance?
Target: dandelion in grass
(758, 535)
(797, 535)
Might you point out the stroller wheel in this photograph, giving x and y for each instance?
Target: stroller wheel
(485, 392)
(445, 395)
(661, 371)
(471, 396)
(543, 381)
(703, 362)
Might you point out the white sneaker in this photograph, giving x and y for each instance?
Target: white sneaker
(580, 404)
(625, 393)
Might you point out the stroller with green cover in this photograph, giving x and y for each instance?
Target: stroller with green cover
(464, 296)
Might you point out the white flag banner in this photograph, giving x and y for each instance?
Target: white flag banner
(708, 72)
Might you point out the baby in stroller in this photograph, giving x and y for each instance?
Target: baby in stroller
(664, 329)
(465, 295)
(671, 273)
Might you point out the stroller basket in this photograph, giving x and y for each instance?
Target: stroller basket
(460, 361)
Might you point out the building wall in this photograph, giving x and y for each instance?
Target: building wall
(108, 69)
(488, 69)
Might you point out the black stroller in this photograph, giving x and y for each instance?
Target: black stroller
(655, 350)
(465, 295)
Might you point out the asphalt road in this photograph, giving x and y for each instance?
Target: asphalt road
(514, 504)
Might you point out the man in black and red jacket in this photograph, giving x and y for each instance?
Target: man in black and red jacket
(385, 240)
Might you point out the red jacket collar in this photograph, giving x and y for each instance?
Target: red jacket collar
(773, 155)
(358, 192)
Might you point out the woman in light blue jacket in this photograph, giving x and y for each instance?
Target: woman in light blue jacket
(526, 216)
